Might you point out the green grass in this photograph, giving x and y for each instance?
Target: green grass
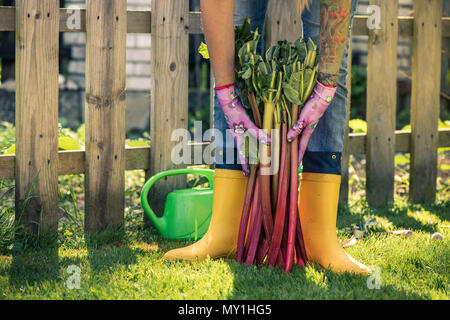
(129, 264)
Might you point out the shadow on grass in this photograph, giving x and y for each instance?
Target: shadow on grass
(34, 260)
(398, 215)
(109, 248)
(270, 283)
(401, 220)
(440, 209)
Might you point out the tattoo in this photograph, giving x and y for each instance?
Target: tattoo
(334, 29)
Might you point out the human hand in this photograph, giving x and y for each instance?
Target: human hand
(313, 110)
(239, 122)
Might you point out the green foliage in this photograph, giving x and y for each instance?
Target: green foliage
(444, 124)
(11, 150)
(246, 61)
(287, 69)
(359, 92)
(67, 140)
(7, 136)
(138, 143)
(358, 126)
(7, 225)
(286, 74)
(68, 143)
(202, 115)
(299, 64)
(81, 134)
(203, 50)
(402, 159)
(407, 127)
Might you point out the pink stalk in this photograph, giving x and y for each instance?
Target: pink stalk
(254, 241)
(266, 203)
(251, 226)
(281, 203)
(255, 111)
(301, 243)
(249, 194)
(293, 201)
(255, 226)
(298, 254)
(286, 223)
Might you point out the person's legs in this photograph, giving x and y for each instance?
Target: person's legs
(221, 238)
(320, 182)
(229, 182)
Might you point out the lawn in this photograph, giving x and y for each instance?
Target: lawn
(129, 264)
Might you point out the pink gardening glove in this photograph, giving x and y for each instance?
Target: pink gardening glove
(239, 122)
(313, 110)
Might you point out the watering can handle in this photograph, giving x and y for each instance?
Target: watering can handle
(209, 174)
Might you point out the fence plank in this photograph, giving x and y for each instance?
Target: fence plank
(140, 22)
(283, 22)
(381, 105)
(425, 101)
(169, 85)
(106, 22)
(137, 158)
(405, 26)
(37, 48)
(345, 158)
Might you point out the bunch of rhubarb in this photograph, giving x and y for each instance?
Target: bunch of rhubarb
(274, 87)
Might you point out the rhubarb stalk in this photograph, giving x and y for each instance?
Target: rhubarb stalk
(280, 213)
(293, 201)
(245, 213)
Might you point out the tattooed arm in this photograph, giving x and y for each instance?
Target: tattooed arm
(334, 25)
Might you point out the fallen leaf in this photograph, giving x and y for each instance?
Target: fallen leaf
(406, 233)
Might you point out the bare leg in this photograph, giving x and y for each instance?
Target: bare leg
(218, 25)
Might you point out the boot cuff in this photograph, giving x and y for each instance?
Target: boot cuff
(321, 177)
(230, 174)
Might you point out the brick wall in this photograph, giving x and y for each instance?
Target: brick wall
(138, 51)
(404, 43)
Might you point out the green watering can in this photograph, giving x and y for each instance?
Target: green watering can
(187, 213)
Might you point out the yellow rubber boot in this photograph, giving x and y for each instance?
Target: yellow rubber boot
(220, 241)
(318, 203)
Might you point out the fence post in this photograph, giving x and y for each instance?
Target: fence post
(37, 48)
(425, 100)
(381, 105)
(106, 29)
(283, 22)
(345, 160)
(169, 89)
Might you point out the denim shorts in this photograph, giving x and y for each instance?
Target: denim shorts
(323, 154)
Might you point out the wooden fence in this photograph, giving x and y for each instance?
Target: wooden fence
(37, 24)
